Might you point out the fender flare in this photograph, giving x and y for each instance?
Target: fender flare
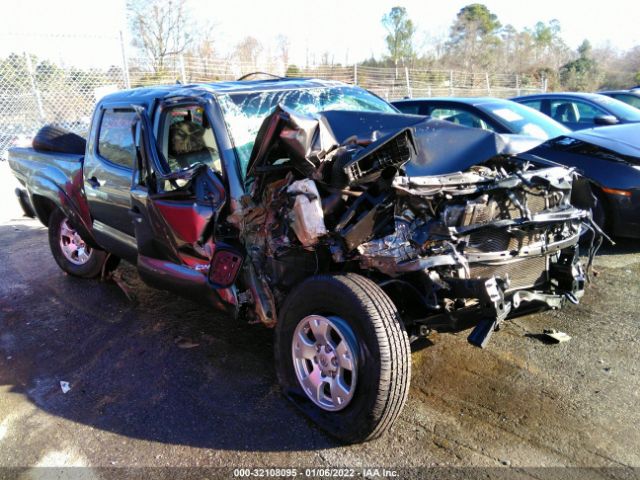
(78, 215)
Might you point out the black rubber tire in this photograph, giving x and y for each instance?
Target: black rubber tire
(55, 139)
(91, 269)
(384, 354)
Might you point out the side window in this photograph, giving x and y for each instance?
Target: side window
(187, 139)
(630, 99)
(587, 112)
(410, 108)
(574, 111)
(115, 141)
(460, 117)
(537, 104)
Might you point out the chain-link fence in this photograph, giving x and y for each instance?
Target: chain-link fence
(34, 92)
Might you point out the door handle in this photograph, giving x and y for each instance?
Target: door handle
(94, 182)
(135, 214)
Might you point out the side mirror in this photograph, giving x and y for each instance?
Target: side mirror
(605, 120)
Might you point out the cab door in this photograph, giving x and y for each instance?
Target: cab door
(108, 169)
(174, 211)
(175, 216)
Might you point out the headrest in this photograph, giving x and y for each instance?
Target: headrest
(186, 137)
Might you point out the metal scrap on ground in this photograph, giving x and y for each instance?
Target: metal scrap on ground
(556, 336)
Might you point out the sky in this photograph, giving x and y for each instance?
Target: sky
(86, 32)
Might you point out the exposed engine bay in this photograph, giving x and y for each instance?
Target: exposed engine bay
(451, 224)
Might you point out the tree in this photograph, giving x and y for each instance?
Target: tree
(15, 75)
(248, 51)
(473, 38)
(293, 71)
(160, 29)
(549, 50)
(48, 74)
(478, 15)
(400, 32)
(282, 49)
(582, 73)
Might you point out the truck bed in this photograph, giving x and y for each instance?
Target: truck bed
(27, 163)
(50, 180)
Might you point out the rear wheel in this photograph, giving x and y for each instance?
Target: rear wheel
(343, 356)
(71, 252)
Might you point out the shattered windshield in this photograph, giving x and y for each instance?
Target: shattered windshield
(245, 112)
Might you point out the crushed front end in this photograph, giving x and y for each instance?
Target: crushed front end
(479, 246)
(457, 231)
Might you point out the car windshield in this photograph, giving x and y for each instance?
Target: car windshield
(245, 112)
(619, 109)
(524, 120)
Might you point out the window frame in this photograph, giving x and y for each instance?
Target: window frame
(160, 125)
(96, 148)
(411, 104)
(620, 96)
(576, 102)
(483, 117)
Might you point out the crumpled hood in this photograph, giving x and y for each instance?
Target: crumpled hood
(438, 147)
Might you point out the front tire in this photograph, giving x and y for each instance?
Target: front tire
(70, 251)
(343, 355)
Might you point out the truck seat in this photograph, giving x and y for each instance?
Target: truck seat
(187, 146)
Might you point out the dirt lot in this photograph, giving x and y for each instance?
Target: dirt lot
(138, 399)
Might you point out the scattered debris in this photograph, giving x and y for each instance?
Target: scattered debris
(185, 343)
(117, 278)
(65, 386)
(556, 336)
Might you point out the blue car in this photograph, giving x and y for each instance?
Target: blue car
(578, 111)
(631, 97)
(494, 114)
(609, 157)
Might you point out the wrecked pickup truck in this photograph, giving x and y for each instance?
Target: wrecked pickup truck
(316, 208)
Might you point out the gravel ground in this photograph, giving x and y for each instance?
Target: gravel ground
(138, 399)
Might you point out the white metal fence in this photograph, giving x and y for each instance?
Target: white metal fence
(34, 92)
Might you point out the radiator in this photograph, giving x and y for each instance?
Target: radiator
(524, 273)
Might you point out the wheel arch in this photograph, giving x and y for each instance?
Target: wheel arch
(46, 195)
(406, 298)
(43, 207)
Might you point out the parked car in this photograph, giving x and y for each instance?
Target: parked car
(581, 110)
(610, 158)
(494, 114)
(629, 97)
(316, 208)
